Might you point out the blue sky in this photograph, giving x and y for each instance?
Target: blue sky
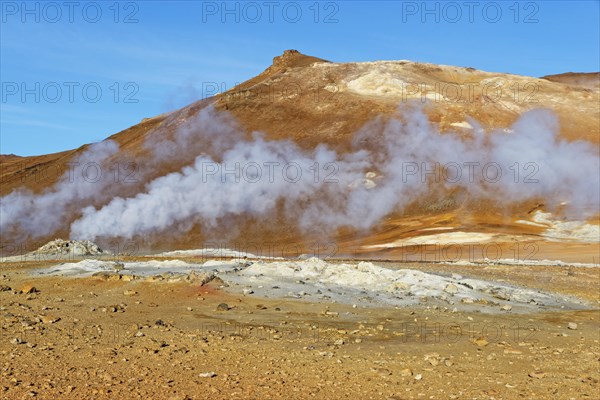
(148, 57)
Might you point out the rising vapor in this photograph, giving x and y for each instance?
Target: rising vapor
(390, 167)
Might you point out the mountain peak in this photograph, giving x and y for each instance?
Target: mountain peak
(289, 59)
(292, 58)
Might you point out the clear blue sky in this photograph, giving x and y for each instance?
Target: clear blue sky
(165, 52)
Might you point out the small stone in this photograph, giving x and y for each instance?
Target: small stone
(572, 326)
(248, 291)
(481, 342)
(433, 359)
(27, 289)
(418, 377)
(406, 372)
(139, 334)
(48, 319)
(190, 309)
(383, 371)
(451, 288)
(537, 375)
(223, 307)
(506, 307)
(17, 340)
(130, 293)
(207, 375)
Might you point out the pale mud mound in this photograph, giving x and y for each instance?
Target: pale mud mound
(153, 270)
(209, 253)
(59, 249)
(367, 284)
(362, 284)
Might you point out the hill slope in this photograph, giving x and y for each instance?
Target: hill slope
(300, 104)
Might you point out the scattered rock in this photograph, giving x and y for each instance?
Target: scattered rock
(223, 307)
(506, 307)
(202, 278)
(130, 293)
(537, 375)
(248, 291)
(433, 359)
(107, 276)
(128, 278)
(48, 319)
(207, 375)
(572, 326)
(4, 288)
(406, 372)
(382, 371)
(451, 288)
(118, 266)
(27, 289)
(500, 294)
(481, 342)
(17, 340)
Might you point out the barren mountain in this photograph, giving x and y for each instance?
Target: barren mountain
(589, 80)
(309, 103)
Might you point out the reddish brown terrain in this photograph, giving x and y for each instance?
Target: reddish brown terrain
(311, 101)
(122, 325)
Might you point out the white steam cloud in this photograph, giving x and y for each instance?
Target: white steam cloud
(42, 214)
(395, 162)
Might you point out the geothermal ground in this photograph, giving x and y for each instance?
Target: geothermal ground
(393, 281)
(189, 325)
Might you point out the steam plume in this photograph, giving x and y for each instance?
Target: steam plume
(387, 170)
